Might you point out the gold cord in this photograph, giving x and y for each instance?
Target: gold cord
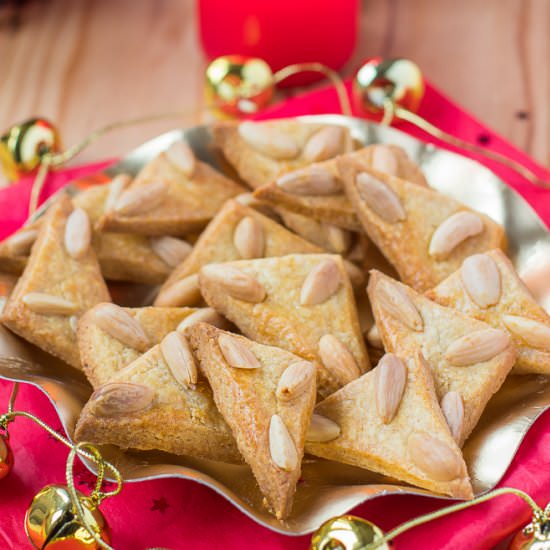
(539, 515)
(332, 75)
(86, 450)
(391, 111)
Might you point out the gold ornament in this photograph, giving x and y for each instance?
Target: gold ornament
(393, 89)
(399, 80)
(237, 84)
(51, 521)
(6, 456)
(536, 536)
(347, 533)
(24, 145)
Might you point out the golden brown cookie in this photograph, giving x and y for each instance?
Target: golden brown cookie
(488, 288)
(266, 395)
(423, 234)
(303, 303)
(389, 421)
(161, 402)
(316, 191)
(111, 337)
(236, 232)
(261, 151)
(61, 281)
(469, 359)
(174, 194)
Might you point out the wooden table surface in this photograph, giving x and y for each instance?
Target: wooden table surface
(85, 63)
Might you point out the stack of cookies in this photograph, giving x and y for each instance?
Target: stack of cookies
(254, 347)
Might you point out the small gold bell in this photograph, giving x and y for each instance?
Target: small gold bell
(51, 522)
(6, 456)
(535, 539)
(399, 80)
(347, 533)
(239, 85)
(23, 146)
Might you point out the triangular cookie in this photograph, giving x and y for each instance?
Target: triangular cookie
(122, 256)
(423, 234)
(236, 232)
(266, 395)
(467, 357)
(111, 337)
(261, 151)
(61, 281)
(302, 303)
(159, 402)
(317, 191)
(488, 288)
(390, 422)
(174, 194)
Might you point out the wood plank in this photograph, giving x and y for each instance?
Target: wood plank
(83, 64)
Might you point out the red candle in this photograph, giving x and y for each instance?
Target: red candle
(281, 32)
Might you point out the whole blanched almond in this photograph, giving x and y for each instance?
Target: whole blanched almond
(268, 140)
(322, 429)
(481, 279)
(170, 250)
(204, 315)
(185, 292)
(533, 333)
(121, 398)
(141, 199)
(48, 304)
(281, 445)
(248, 238)
(383, 159)
(476, 347)
(234, 282)
(118, 184)
(325, 144)
(337, 359)
(453, 410)
(295, 380)
(338, 239)
(182, 157)
(236, 353)
(78, 233)
(313, 180)
(454, 230)
(119, 324)
(434, 457)
(179, 358)
(395, 301)
(321, 283)
(380, 198)
(20, 243)
(391, 378)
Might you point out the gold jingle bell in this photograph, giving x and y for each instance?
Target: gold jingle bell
(347, 533)
(51, 522)
(398, 80)
(239, 85)
(23, 146)
(6, 456)
(536, 539)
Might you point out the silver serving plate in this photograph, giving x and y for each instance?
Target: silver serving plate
(328, 489)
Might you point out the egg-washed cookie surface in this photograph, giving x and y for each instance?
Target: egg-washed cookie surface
(266, 395)
(389, 421)
(61, 281)
(469, 359)
(303, 303)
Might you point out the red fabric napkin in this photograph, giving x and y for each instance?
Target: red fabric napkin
(180, 514)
